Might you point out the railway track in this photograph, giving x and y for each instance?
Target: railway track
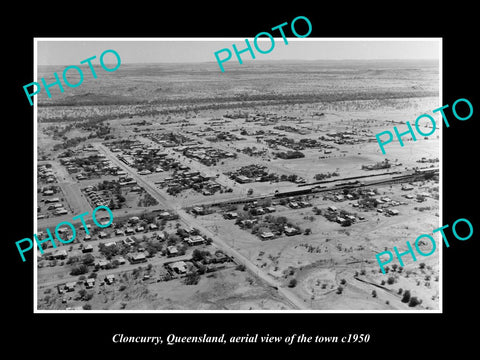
(392, 178)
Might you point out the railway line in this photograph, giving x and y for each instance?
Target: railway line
(336, 185)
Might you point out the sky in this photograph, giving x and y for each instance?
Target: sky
(69, 51)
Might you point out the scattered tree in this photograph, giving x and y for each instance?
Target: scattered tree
(79, 270)
(414, 301)
(406, 296)
(240, 267)
(192, 278)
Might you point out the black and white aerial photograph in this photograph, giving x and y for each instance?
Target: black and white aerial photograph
(259, 188)
(224, 181)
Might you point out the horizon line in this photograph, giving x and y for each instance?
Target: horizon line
(260, 60)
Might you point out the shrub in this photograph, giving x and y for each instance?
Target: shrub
(199, 255)
(87, 307)
(406, 296)
(240, 267)
(121, 288)
(421, 265)
(400, 291)
(414, 302)
(202, 269)
(192, 279)
(339, 290)
(292, 283)
(72, 260)
(343, 281)
(79, 270)
(391, 280)
(88, 259)
(374, 293)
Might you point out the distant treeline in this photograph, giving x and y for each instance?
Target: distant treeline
(230, 102)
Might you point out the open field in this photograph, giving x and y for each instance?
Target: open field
(187, 128)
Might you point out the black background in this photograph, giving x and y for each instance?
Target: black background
(91, 334)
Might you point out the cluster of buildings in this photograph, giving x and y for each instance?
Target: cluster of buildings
(377, 166)
(90, 165)
(252, 173)
(253, 151)
(205, 154)
(223, 136)
(145, 158)
(45, 174)
(171, 139)
(185, 179)
(55, 205)
(344, 137)
(342, 217)
(95, 199)
(271, 228)
(287, 230)
(301, 144)
(208, 263)
(292, 129)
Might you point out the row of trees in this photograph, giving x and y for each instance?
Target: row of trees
(327, 175)
(289, 154)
